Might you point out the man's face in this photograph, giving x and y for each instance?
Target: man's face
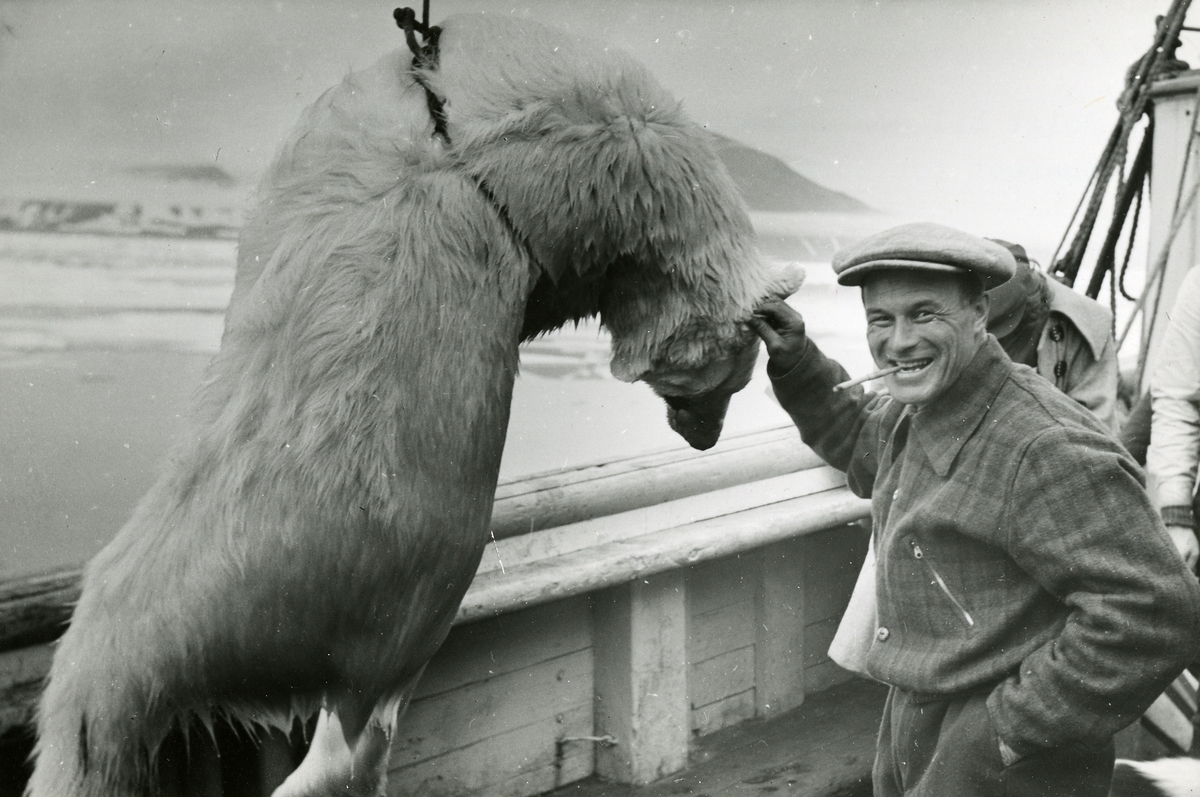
(921, 320)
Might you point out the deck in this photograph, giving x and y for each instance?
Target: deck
(824, 748)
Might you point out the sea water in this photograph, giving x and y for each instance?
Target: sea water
(103, 340)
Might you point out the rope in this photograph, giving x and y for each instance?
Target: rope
(1122, 156)
(1153, 275)
(425, 59)
(1075, 213)
(1133, 106)
(1144, 351)
(1106, 259)
(1137, 213)
(1160, 262)
(1112, 304)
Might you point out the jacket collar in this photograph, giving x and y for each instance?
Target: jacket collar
(943, 426)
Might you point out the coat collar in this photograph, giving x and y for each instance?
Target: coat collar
(943, 427)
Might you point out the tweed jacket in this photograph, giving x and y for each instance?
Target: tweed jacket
(1017, 550)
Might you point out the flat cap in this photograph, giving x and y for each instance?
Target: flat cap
(928, 247)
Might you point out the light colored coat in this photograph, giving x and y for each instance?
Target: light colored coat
(1077, 354)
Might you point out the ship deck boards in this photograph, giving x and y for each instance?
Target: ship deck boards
(824, 748)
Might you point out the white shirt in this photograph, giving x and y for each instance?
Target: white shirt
(1175, 394)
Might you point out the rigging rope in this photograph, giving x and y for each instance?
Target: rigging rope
(1160, 262)
(1125, 196)
(1133, 104)
(1137, 213)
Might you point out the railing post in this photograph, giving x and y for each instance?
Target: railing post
(640, 650)
(779, 634)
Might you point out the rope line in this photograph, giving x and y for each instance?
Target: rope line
(1132, 105)
(1160, 262)
(1137, 212)
(425, 59)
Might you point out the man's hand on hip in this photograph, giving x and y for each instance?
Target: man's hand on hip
(1185, 542)
(782, 331)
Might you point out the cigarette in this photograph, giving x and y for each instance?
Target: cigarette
(866, 378)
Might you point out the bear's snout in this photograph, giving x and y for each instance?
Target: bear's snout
(699, 419)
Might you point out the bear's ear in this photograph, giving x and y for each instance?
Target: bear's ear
(786, 280)
(628, 366)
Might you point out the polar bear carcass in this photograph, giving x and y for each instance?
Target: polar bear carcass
(317, 526)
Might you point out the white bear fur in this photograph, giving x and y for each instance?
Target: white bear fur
(313, 533)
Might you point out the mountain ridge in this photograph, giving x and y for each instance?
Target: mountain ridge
(767, 184)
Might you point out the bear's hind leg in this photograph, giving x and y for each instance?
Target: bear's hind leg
(333, 766)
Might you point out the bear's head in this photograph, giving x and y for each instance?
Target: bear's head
(622, 203)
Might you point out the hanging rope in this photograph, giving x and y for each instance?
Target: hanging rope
(1137, 214)
(1156, 279)
(1075, 213)
(1126, 193)
(425, 59)
(1160, 262)
(1112, 308)
(1154, 283)
(1132, 104)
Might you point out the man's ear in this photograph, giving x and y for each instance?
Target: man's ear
(981, 307)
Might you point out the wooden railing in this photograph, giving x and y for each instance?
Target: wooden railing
(559, 535)
(36, 609)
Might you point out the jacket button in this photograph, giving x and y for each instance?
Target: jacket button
(882, 634)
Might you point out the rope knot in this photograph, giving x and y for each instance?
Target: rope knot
(425, 57)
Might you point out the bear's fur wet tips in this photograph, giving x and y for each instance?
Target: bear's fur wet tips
(315, 529)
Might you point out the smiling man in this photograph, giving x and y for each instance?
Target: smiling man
(925, 323)
(1030, 603)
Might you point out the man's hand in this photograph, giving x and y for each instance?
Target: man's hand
(1185, 542)
(782, 331)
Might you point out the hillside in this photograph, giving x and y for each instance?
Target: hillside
(204, 199)
(770, 185)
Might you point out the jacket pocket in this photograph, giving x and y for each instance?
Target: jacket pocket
(941, 582)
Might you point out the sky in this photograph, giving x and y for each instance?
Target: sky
(984, 115)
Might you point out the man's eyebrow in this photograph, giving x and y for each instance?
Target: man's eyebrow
(920, 304)
(928, 304)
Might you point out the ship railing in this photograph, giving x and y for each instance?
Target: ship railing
(630, 528)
